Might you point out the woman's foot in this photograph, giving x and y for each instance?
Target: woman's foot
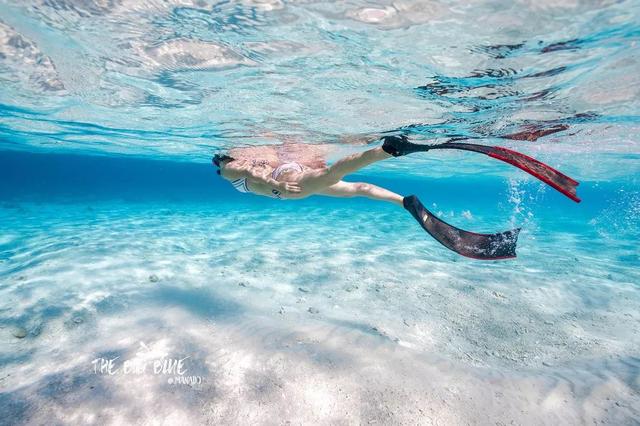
(400, 145)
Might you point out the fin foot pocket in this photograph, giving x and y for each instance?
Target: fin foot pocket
(400, 145)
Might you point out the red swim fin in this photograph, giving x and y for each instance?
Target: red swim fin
(533, 134)
(538, 169)
(469, 244)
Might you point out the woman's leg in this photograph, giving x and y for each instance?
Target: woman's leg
(361, 189)
(307, 154)
(315, 181)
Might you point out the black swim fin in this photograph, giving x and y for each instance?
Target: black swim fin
(469, 244)
(400, 145)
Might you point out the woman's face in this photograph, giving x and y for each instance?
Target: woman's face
(221, 161)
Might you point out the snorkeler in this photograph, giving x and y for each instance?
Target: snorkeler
(274, 175)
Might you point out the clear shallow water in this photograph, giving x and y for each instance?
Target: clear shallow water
(334, 311)
(316, 311)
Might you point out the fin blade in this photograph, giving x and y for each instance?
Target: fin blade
(470, 244)
(547, 174)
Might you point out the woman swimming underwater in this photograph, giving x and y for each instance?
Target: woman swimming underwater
(273, 173)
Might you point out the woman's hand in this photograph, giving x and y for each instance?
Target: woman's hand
(290, 187)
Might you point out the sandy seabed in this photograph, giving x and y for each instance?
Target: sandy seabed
(306, 316)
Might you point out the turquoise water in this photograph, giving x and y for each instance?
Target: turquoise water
(117, 238)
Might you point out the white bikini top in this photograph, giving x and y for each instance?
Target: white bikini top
(241, 185)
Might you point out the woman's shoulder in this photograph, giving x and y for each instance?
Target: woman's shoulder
(245, 168)
(233, 169)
